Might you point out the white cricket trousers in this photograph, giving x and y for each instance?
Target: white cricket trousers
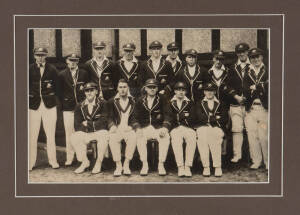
(48, 116)
(80, 139)
(150, 133)
(69, 130)
(210, 140)
(178, 135)
(256, 122)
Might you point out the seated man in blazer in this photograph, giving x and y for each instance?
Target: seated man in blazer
(210, 120)
(90, 124)
(120, 124)
(149, 124)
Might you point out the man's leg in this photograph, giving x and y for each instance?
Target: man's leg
(163, 147)
(49, 117)
(34, 128)
(176, 141)
(114, 144)
(202, 143)
(215, 145)
(68, 117)
(190, 139)
(102, 142)
(237, 118)
(130, 139)
(263, 136)
(254, 145)
(142, 149)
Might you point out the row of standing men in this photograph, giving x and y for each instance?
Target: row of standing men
(242, 89)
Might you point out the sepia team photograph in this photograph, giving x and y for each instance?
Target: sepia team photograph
(148, 105)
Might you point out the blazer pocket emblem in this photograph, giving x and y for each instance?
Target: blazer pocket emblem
(163, 81)
(107, 78)
(158, 116)
(81, 87)
(49, 85)
(186, 114)
(31, 96)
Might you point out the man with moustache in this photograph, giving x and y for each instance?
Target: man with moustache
(149, 126)
(236, 85)
(42, 105)
(179, 119)
(90, 124)
(101, 71)
(173, 58)
(70, 84)
(128, 68)
(192, 75)
(120, 124)
(159, 69)
(256, 105)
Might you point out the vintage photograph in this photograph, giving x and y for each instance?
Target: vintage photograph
(152, 105)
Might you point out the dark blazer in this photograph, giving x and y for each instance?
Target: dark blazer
(145, 116)
(107, 81)
(44, 87)
(178, 66)
(216, 117)
(175, 117)
(262, 87)
(97, 120)
(132, 77)
(114, 112)
(236, 82)
(194, 84)
(165, 75)
(222, 92)
(71, 93)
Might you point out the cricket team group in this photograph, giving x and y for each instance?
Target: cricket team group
(168, 100)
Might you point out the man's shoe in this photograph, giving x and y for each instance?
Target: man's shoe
(97, 167)
(161, 169)
(68, 163)
(235, 159)
(118, 171)
(145, 169)
(187, 171)
(82, 167)
(218, 172)
(54, 166)
(254, 166)
(126, 169)
(206, 172)
(181, 172)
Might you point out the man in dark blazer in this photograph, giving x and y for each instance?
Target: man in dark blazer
(149, 125)
(90, 124)
(179, 119)
(173, 58)
(101, 71)
(236, 78)
(42, 106)
(120, 124)
(192, 75)
(129, 68)
(211, 118)
(70, 84)
(159, 69)
(256, 104)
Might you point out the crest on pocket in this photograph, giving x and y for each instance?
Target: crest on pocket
(107, 78)
(49, 85)
(163, 81)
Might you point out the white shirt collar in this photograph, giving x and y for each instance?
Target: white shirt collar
(152, 58)
(254, 68)
(184, 99)
(100, 62)
(215, 99)
(86, 102)
(134, 60)
(215, 69)
(117, 96)
(239, 62)
(169, 59)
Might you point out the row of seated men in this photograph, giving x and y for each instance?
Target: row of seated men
(242, 90)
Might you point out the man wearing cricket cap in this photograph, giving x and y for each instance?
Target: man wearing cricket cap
(236, 84)
(192, 75)
(211, 118)
(71, 82)
(42, 105)
(90, 124)
(129, 69)
(149, 126)
(256, 105)
(159, 69)
(173, 58)
(179, 118)
(101, 71)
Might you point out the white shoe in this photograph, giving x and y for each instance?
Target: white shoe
(161, 169)
(68, 163)
(126, 169)
(54, 166)
(82, 167)
(145, 169)
(181, 172)
(97, 167)
(118, 171)
(235, 159)
(218, 172)
(254, 166)
(206, 171)
(187, 171)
